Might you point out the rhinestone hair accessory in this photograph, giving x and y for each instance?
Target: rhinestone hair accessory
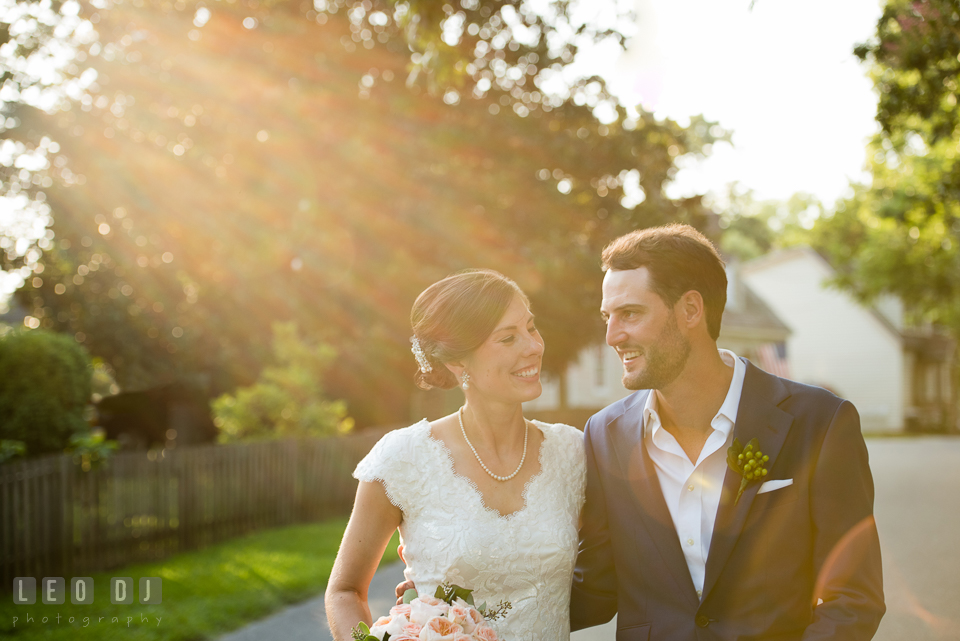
(422, 361)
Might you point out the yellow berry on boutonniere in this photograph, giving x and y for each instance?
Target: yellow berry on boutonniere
(749, 462)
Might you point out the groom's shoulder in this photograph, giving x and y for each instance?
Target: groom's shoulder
(811, 395)
(803, 400)
(615, 410)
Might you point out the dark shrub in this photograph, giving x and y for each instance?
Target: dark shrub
(45, 383)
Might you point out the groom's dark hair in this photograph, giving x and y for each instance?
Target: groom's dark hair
(680, 259)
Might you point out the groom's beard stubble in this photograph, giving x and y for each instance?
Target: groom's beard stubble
(665, 359)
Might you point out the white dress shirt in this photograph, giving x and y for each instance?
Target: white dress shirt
(692, 490)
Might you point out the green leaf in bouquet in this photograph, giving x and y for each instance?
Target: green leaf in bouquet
(361, 632)
(409, 595)
(498, 611)
(482, 607)
(449, 592)
(386, 636)
(462, 593)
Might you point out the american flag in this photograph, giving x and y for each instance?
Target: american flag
(773, 359)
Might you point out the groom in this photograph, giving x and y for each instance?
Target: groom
(667, 543)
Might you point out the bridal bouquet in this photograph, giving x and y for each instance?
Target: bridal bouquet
(449, 615)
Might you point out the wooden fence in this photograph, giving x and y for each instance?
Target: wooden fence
(57, 520)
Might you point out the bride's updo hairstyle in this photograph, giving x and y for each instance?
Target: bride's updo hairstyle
(454, 316)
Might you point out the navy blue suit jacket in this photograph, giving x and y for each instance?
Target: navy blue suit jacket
(772, 556)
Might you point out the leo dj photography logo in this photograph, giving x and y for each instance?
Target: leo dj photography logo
(53, 590)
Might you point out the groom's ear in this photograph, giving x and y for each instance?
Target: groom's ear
(690, 310)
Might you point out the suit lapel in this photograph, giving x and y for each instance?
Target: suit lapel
(637, 467)
(757, 417)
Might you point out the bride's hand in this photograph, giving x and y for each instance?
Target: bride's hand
(403, 587)
(406, 585)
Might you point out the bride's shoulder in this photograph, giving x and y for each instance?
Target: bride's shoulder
(567, 453)
(396, 451)
(567, 436)
(412, 436)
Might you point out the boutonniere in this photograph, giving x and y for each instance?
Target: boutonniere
(748, 462)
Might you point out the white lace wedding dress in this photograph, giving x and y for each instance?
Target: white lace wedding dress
(448, 534)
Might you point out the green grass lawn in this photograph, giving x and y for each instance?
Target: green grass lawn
(205, 593)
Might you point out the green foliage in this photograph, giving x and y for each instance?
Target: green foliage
(44, 389)
(752, 228)
(454, 46)
(92, 449)
(288, 399)
(11, 449)
(42, 42)
(916, 67)
(901, 233)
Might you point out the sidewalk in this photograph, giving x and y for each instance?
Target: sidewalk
(307, 621)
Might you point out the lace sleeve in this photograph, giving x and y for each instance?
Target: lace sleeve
(575, 456)
(390, 462)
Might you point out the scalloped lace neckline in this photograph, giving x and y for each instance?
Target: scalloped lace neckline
(452, 470)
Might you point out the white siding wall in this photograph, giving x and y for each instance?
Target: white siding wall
(835, 341)
(593, 381)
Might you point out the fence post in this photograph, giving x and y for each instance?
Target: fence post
(66, 514)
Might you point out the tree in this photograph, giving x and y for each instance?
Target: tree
(901, 233)
(288, 399)
(44, 389)
(752, 228)
(42, 47)
(272, 168)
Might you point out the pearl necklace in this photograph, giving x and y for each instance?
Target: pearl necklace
(526, 432)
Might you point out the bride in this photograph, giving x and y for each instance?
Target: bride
(483, 498)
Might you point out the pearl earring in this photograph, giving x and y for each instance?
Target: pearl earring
(465, 380)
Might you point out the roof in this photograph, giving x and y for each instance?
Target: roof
(803, 251)
(930, 344)
(746, 314)
(752, 313)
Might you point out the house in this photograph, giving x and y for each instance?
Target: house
(12, 314)
(898, 377)
(170, 415)
(749, 328)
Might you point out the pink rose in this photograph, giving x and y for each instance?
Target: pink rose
(425, 608)
(485, 633)
(465, 616)
(412, 629)
(405, 637)
(393, 624)
(440, 629)
(403, 608)
(458, 614)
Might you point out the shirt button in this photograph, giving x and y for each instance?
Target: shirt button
(700, 593)
(690, 488)
(702, 621)
(689, 541)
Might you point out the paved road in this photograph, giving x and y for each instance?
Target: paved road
(918, 515)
